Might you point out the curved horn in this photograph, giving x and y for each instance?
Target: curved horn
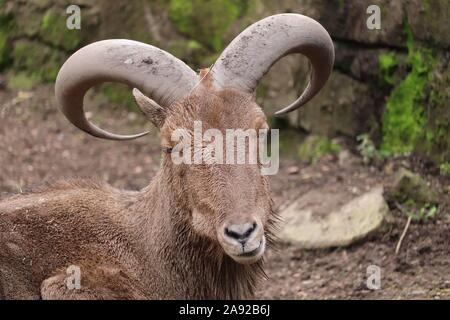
(251, 54)
(155, 72)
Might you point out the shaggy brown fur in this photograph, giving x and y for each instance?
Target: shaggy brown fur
(140, 245)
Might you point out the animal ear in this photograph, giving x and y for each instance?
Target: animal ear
(260, 123)
(152, 111)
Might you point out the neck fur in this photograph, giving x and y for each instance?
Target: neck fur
(196, 267)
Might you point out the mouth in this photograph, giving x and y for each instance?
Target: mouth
(253, 252)
(249, 257)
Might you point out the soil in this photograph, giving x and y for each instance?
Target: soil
(38, 144)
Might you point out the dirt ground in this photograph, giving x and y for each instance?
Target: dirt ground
(38, 144)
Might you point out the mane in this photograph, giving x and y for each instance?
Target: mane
(68, 183)
(217, 274)
(237, 281)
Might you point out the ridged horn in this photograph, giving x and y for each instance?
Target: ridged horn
(251, 54)
(158, 74)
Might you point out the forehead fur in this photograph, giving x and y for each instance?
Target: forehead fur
(225, 109)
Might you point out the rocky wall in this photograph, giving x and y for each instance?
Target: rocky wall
(392, 83)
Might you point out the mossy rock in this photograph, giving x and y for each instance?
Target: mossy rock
(4, 49)
(314, 147)
(388, 63)
(436, 144)
(329, 217)
(404, 119)
(191, 51)
(429, 21)
(205, 21)
(22, 80)
(444, 169)
(6, 32)
(37, 60)
(124, 19)
(344, 106)
(53, 30)
(28, 21)
(347, 20)
(412, 190)
(118, 94)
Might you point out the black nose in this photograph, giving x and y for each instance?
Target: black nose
(240, 232)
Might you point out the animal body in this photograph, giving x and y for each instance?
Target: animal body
(197, 231)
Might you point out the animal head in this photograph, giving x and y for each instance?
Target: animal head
(229, 202)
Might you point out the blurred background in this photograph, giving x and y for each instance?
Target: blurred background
(368, 159)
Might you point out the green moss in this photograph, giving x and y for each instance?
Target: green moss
(387, 63)
(404, 120)
(262, 91)
(37, 60)
(315, 147)
(190, 51)
(6, 28)
(411, 187)
(53, 30)
(205, 21)
(4, 50)
(367, 149)
(340, 4)
(422, 214)
(444, 168)
(119, 95)
(22, 80)
(426, 6)
(437, 144)
(39, 54)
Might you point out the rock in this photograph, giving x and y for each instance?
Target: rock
(2, 83)
(353, 101)
(447, 189)
(347, 159)
(438, 148)
(325, 218)
(344, 106)
(363, 65)
(410, 187)
(39, 60)
(419, 292)
(427, 19)
(348, 20)
(293, 170)
(281, 85)
(389, 168)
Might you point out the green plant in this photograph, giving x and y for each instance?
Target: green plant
(205, 21)
(6, 32)
(367, 148)
(4, 50)
(118, 95)
(54, 31)
(315, 147)
(36, 60)
(444, 169)
(424, 213)
(21, 80)
(404, 119)
(387, 63)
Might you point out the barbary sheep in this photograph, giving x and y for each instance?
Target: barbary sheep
(197, 231)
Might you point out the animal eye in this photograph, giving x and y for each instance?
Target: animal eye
(166, 149)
